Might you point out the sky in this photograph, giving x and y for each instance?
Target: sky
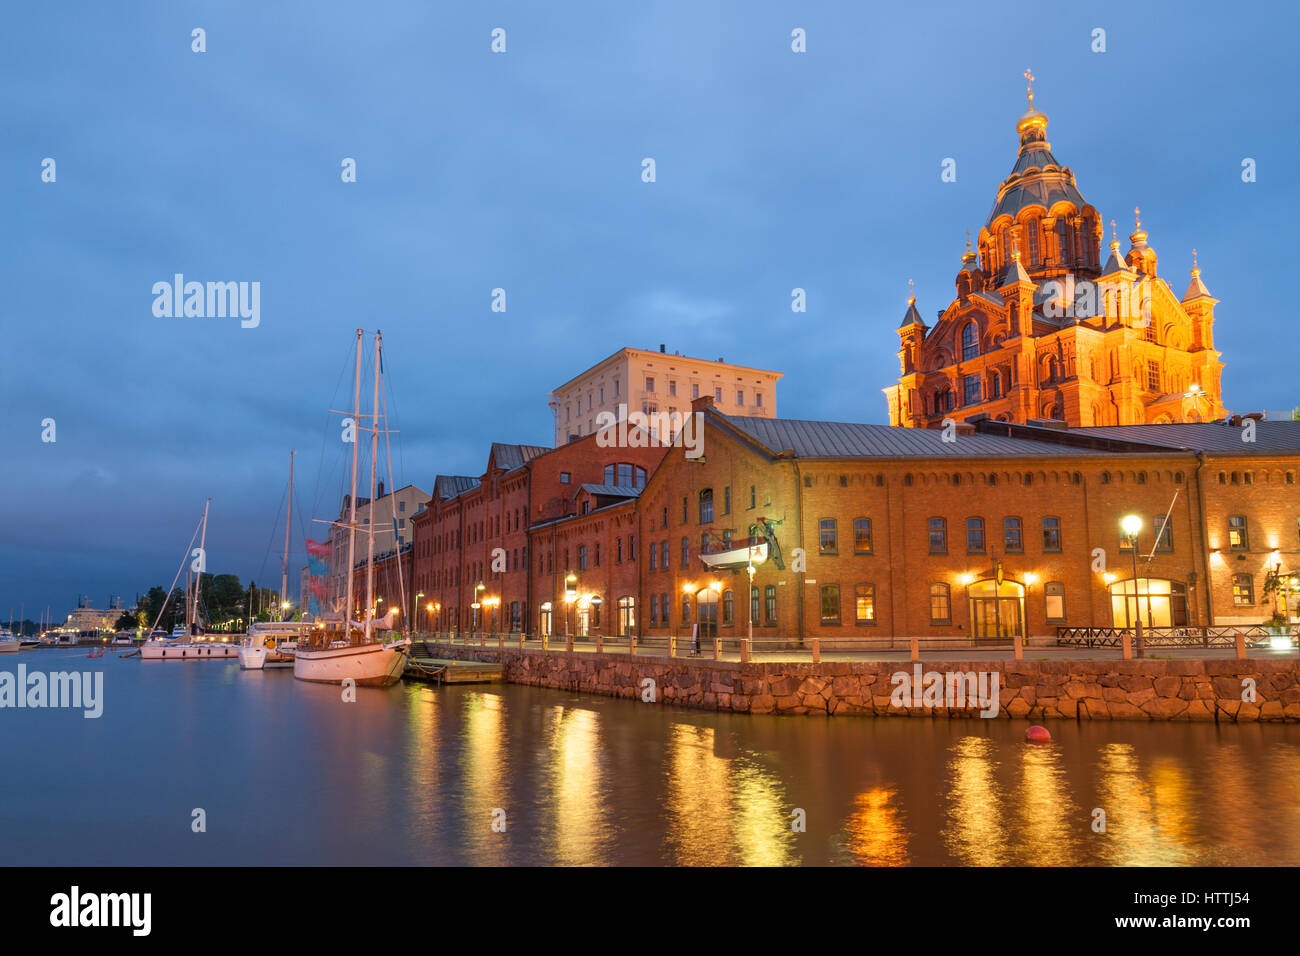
(522, 171)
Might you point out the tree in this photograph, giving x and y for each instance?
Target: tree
(126, 622)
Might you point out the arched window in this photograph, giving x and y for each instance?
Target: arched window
(970, 341)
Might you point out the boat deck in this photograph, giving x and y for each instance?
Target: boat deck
(438, 670)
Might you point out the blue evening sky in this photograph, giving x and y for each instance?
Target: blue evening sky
(523, 171)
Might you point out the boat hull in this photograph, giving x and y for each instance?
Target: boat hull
(369, 665)
(252, 658)
(150, 651)
(8, 647)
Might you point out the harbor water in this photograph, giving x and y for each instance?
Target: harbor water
(278, 771)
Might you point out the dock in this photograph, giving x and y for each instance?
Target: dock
(440, 670)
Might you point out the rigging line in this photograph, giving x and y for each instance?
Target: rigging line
(184, 558)
(275, 526)
(388, 456)
(319, 488)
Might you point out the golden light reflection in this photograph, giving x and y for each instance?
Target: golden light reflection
(698, 800)
(761, 816)
(578, 809)
(483, 775)
(1046, 817)
(1135, 835)
(876, 830)
(976, 832)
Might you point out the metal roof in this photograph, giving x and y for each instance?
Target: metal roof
(511, 457)
(810, 439)
(617, 491)
(449, 486)
(1270, 437)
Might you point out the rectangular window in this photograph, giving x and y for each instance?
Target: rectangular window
(695, 390)
(970, 385)
(862, 536)
(1243, 590)
(582, 557)
(940, 604)
(654, 613)
(631, 547)
(663, 609)
(938, 535)
(752, 495)
(828, 537)
(564, 477)
(1153, 374)
(654, 553)
(685, 511)
(596, 556)
(753, 605)
(1012, 540)
(686, 553)
(758, 399)
(1054, 593)
(740, 397)
(717, 395)
(649, 384)
(618, 550)
(663, 555)
(974, 535)
(726, 500)
(830, 604)
(728, 607)
(706, 506)
(1052, 535)
(672, 386)
(1238, 535)
(769, 604)
(686, 609)
(864, 599)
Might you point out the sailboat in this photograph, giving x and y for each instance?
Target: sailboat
(273, 643)
(174, 648)
(344, 649)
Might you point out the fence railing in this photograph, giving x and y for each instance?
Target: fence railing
(1187, 636)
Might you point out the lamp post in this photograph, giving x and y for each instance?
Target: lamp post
(415, 616)
(1131, 525)
(570, 596)
(749, 598)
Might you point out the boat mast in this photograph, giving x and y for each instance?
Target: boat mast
(374, 511)
(203, 560)
(352, 498)
(284, 561)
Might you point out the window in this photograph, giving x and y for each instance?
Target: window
(704, 543)
(752, 495)
(717, 395)
(1054, 594)
(654, 612)
(686, 553)
(695, 391)
(672, 386)
(828, 537)
(758, 399)
(940, 604)
(974, 535)
(970, 342)
(582, 557)
(769, 604)
(1153, 376)
(740, 397)
(649, 384)
(726, 500)
(664, 522)
(631, 547)
(861, 535)
(753, 605)
(653, 553)
(728, 607)
(626, 615)
(706, 506)
(685, 511)
(1127, 542)
(564, 477)
(618, 550)
(995, 385)
(1238, 536)
(686, 609)
(1164, 532)
(663, 609)
(1013, 541)
(663, 555)
(596, 556)
(938, 535)
(401, 506)
(1052, 534)
(970, 385)
(1243, 590)
(830, 604)
(864, 601)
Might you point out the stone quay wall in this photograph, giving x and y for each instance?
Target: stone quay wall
(1075, 690)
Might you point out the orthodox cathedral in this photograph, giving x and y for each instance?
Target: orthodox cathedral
(1041, 328)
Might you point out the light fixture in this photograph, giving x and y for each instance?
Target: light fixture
(1031, 578)
(966, 578)
(1131, 524)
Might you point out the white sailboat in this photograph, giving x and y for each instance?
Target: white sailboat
(182, 646)
(273, 643)
(362, 651)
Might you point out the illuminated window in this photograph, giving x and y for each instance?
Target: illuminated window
(862, 536)
(1238, 536)
(940, 604)
(828, 536)
(1054, 593)
(864, 601)
(938, 535)
(1243, 590)
(1052, 535)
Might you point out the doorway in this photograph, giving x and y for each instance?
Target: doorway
(706, 613)
(997, 611)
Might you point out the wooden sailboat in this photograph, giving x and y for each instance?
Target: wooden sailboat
(345, 649)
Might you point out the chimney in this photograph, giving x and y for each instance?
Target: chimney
(662, 348)
(381, 489)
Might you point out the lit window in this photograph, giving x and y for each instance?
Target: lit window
(1238, 536)
(864, 599)
(940, 604)
(828, 536)
(938, 535)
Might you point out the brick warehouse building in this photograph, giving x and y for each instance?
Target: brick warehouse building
(903, 532)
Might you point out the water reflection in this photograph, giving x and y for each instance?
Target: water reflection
(417, 772)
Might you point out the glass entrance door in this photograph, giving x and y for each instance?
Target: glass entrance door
(996, 611)
(706, 613)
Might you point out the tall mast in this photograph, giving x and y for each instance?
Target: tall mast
(284, 562)
(374, 511)
(352, 517)
(203, 560)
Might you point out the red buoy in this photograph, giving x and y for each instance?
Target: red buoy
(1038, 735)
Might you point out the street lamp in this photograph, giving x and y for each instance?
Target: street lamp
(570, 596)
(1131, 525)
(419, 594)
(1196, 393)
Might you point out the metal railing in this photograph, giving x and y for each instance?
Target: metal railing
(1186, 636)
